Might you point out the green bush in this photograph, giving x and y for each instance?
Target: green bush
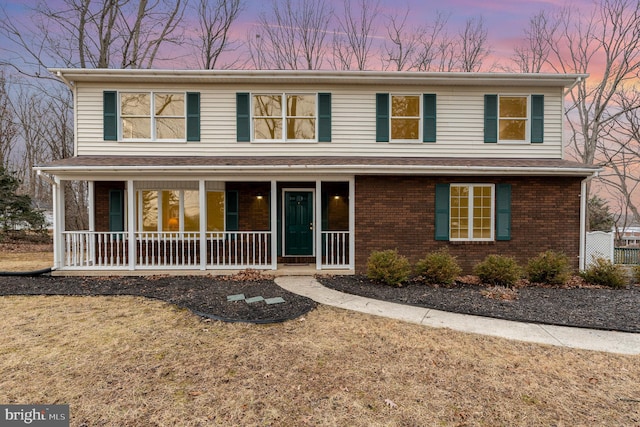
(604, 273)
(549, 267)
(388, 267)
(439, 267)
(498, 270)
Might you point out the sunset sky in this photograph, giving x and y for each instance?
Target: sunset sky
(504, 19)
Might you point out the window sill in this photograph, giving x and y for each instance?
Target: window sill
(472, 242)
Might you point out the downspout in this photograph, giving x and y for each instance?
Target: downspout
(583, 219)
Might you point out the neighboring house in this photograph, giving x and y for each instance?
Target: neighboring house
(224, 170)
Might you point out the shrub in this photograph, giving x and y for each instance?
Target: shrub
(439, 267)
(549, 267)
(604, 273)
(388, 267)
(498, 270)
(636, 274)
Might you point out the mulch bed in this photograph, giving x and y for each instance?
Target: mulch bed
(204, 295)
(580, 306)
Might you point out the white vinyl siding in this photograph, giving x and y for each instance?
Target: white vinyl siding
(460, 122)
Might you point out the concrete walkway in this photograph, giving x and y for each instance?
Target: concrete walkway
(587, 339)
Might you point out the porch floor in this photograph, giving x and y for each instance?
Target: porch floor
(283, 270)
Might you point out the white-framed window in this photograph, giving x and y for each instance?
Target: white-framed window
(514, 113)
(406, 113)
(284, 117)
(178, 210)
(152, 116)
(471, 212)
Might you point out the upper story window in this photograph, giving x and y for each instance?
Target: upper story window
(289, 117)
(155, 116)
(514, 118)
(405, 117)
(151, 116)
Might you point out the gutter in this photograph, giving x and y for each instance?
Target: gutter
(339, 169)
(67, 82)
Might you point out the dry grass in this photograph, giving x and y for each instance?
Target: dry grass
(25, 257)
(128, 361)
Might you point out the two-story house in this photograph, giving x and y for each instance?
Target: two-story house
(225, 170)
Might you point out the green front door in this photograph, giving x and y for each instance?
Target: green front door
(298, 220)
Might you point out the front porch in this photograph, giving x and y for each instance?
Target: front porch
(145, 226)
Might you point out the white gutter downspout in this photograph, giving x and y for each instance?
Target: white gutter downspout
(583, 220)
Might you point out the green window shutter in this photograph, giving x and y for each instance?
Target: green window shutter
(537, 118)
(491, 118)
(429, 119)
(231, 211)
(110, 115)
(442, 212)
(324, 117)
(243, 117)
(193, 116)
(382, 117)
(503, 211)
(116, 210)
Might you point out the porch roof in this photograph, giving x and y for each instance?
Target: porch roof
(111, 166)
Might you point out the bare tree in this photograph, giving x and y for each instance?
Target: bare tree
(352, 39)
(8, 128)
(534, 54)
(215, 19)
(606, 43)
(400, 49)
(96, 34)
(473, 45)
(436, 50)
(292, 36)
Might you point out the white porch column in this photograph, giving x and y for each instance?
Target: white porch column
(352, 223)
(202, 200)
(58, 223)
(273, 202)
(317, 224)
(131, 223)
(92, 219)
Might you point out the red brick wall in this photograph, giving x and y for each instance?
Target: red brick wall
(398, 213)
(101, 196)
(253, 212)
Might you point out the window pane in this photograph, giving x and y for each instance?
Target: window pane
(513, 130)
(267, 105)
(191, 211)
(170, 128)
(267, 128)
(513, 106)
(405, 106)
(215, 211)
(135, 104)
(301, 128)
(405, 128)
(169, 104)
(170, 210)
(133, 128)
(301, 105)
(149, 211)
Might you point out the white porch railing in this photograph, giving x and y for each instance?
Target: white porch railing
(174, 249)
(86, 249)
(335, 249)
(239, 249)
(181, 250)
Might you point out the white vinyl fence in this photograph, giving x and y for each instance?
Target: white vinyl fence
(599, 244)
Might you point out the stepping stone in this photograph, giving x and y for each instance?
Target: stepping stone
(254, 299)
(238, 297)
(276, 300)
